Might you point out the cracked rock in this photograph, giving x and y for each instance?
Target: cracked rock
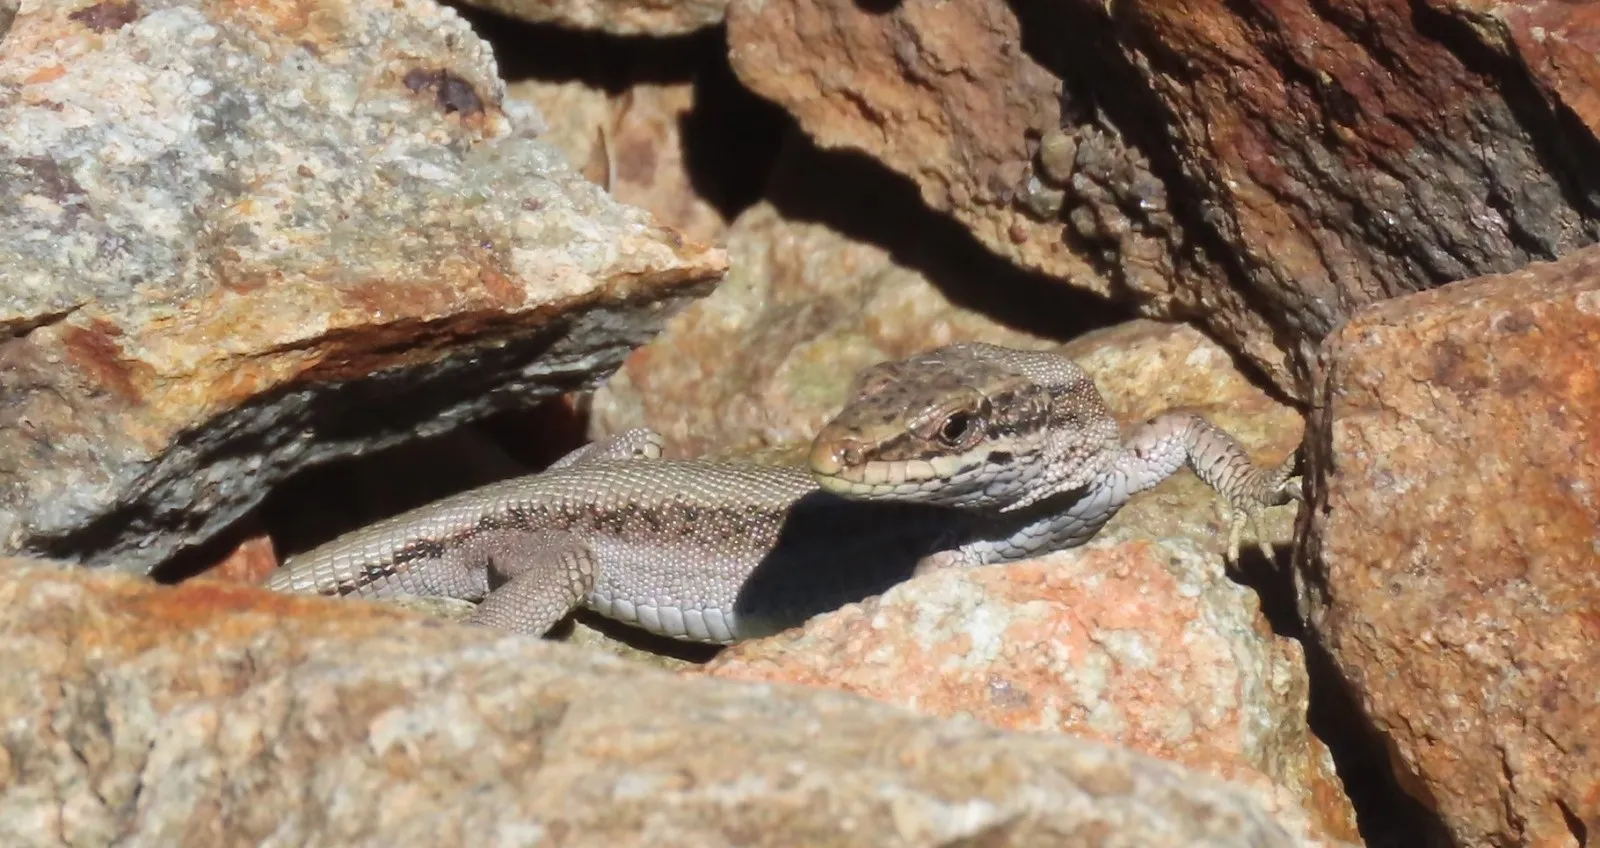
(236, 240)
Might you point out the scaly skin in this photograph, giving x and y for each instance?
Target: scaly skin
(967, 455)
(980, 426)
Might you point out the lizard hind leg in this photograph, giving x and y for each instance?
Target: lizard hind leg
(535, 580)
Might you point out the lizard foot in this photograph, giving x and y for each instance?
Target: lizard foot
(1281, 486)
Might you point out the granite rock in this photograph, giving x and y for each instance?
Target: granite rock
(239, 239)
(209, 714)
(1453, 552)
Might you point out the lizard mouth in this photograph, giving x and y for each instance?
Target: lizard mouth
(912, 480)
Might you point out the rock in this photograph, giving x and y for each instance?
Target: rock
(1143, 368)
(1268, 168)
(252, 560)
(617, 17)
(239, 241)
(630, 144)
(806, 308)
(213, 714)
(1139, 640)
(433, 606)
(1451, 554)
(1146, 645)
(953, 80)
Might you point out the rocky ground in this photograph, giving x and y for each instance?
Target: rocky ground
(269, 272)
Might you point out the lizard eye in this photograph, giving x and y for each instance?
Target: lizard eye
(953, 431)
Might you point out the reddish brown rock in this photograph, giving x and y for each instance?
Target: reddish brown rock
(1269, 167)
(1453, 558)
(1142, 645)
(941, 92)
(250, 561)
(211, 714)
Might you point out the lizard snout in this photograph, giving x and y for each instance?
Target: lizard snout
(831, 457)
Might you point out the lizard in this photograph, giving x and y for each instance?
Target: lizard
(968, 454)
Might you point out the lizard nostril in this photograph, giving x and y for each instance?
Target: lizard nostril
(825, 458)
(832, 458)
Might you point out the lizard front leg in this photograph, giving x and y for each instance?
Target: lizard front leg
(1160, 446)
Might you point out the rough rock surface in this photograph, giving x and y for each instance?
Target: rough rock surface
(209, 714)
(631, 144)
(1453, 567)
(238, 239)
(1265, 167)
(1143, 645)
(805, 308)
(618, 17)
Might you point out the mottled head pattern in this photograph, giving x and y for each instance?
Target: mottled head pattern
(970, 425)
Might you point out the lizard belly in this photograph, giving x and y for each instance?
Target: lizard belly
(667, 617)
(679, 591)
(724, 584)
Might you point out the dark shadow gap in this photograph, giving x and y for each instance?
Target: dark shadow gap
(1386, 816)
(878, 7)
(613, 63)
(865, 200)
(730, 137)
(636, 638)
(1575, 825)
(323, 502)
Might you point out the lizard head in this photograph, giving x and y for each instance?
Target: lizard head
(967, 425)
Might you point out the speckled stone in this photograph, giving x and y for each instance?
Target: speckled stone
(240, 238)
(1453, 551)
(1137, 639)
(210, 714)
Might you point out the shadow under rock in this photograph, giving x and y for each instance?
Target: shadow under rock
(878, 7)
(1386, 816)
(730, 137)
(739, 148)
(867, 201)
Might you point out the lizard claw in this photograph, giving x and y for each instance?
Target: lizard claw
(1282, 487)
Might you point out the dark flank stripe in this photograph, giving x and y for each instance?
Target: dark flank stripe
(425, 549)
(706, 524)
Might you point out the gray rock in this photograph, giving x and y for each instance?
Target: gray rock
(217, 715)
(235, 242)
